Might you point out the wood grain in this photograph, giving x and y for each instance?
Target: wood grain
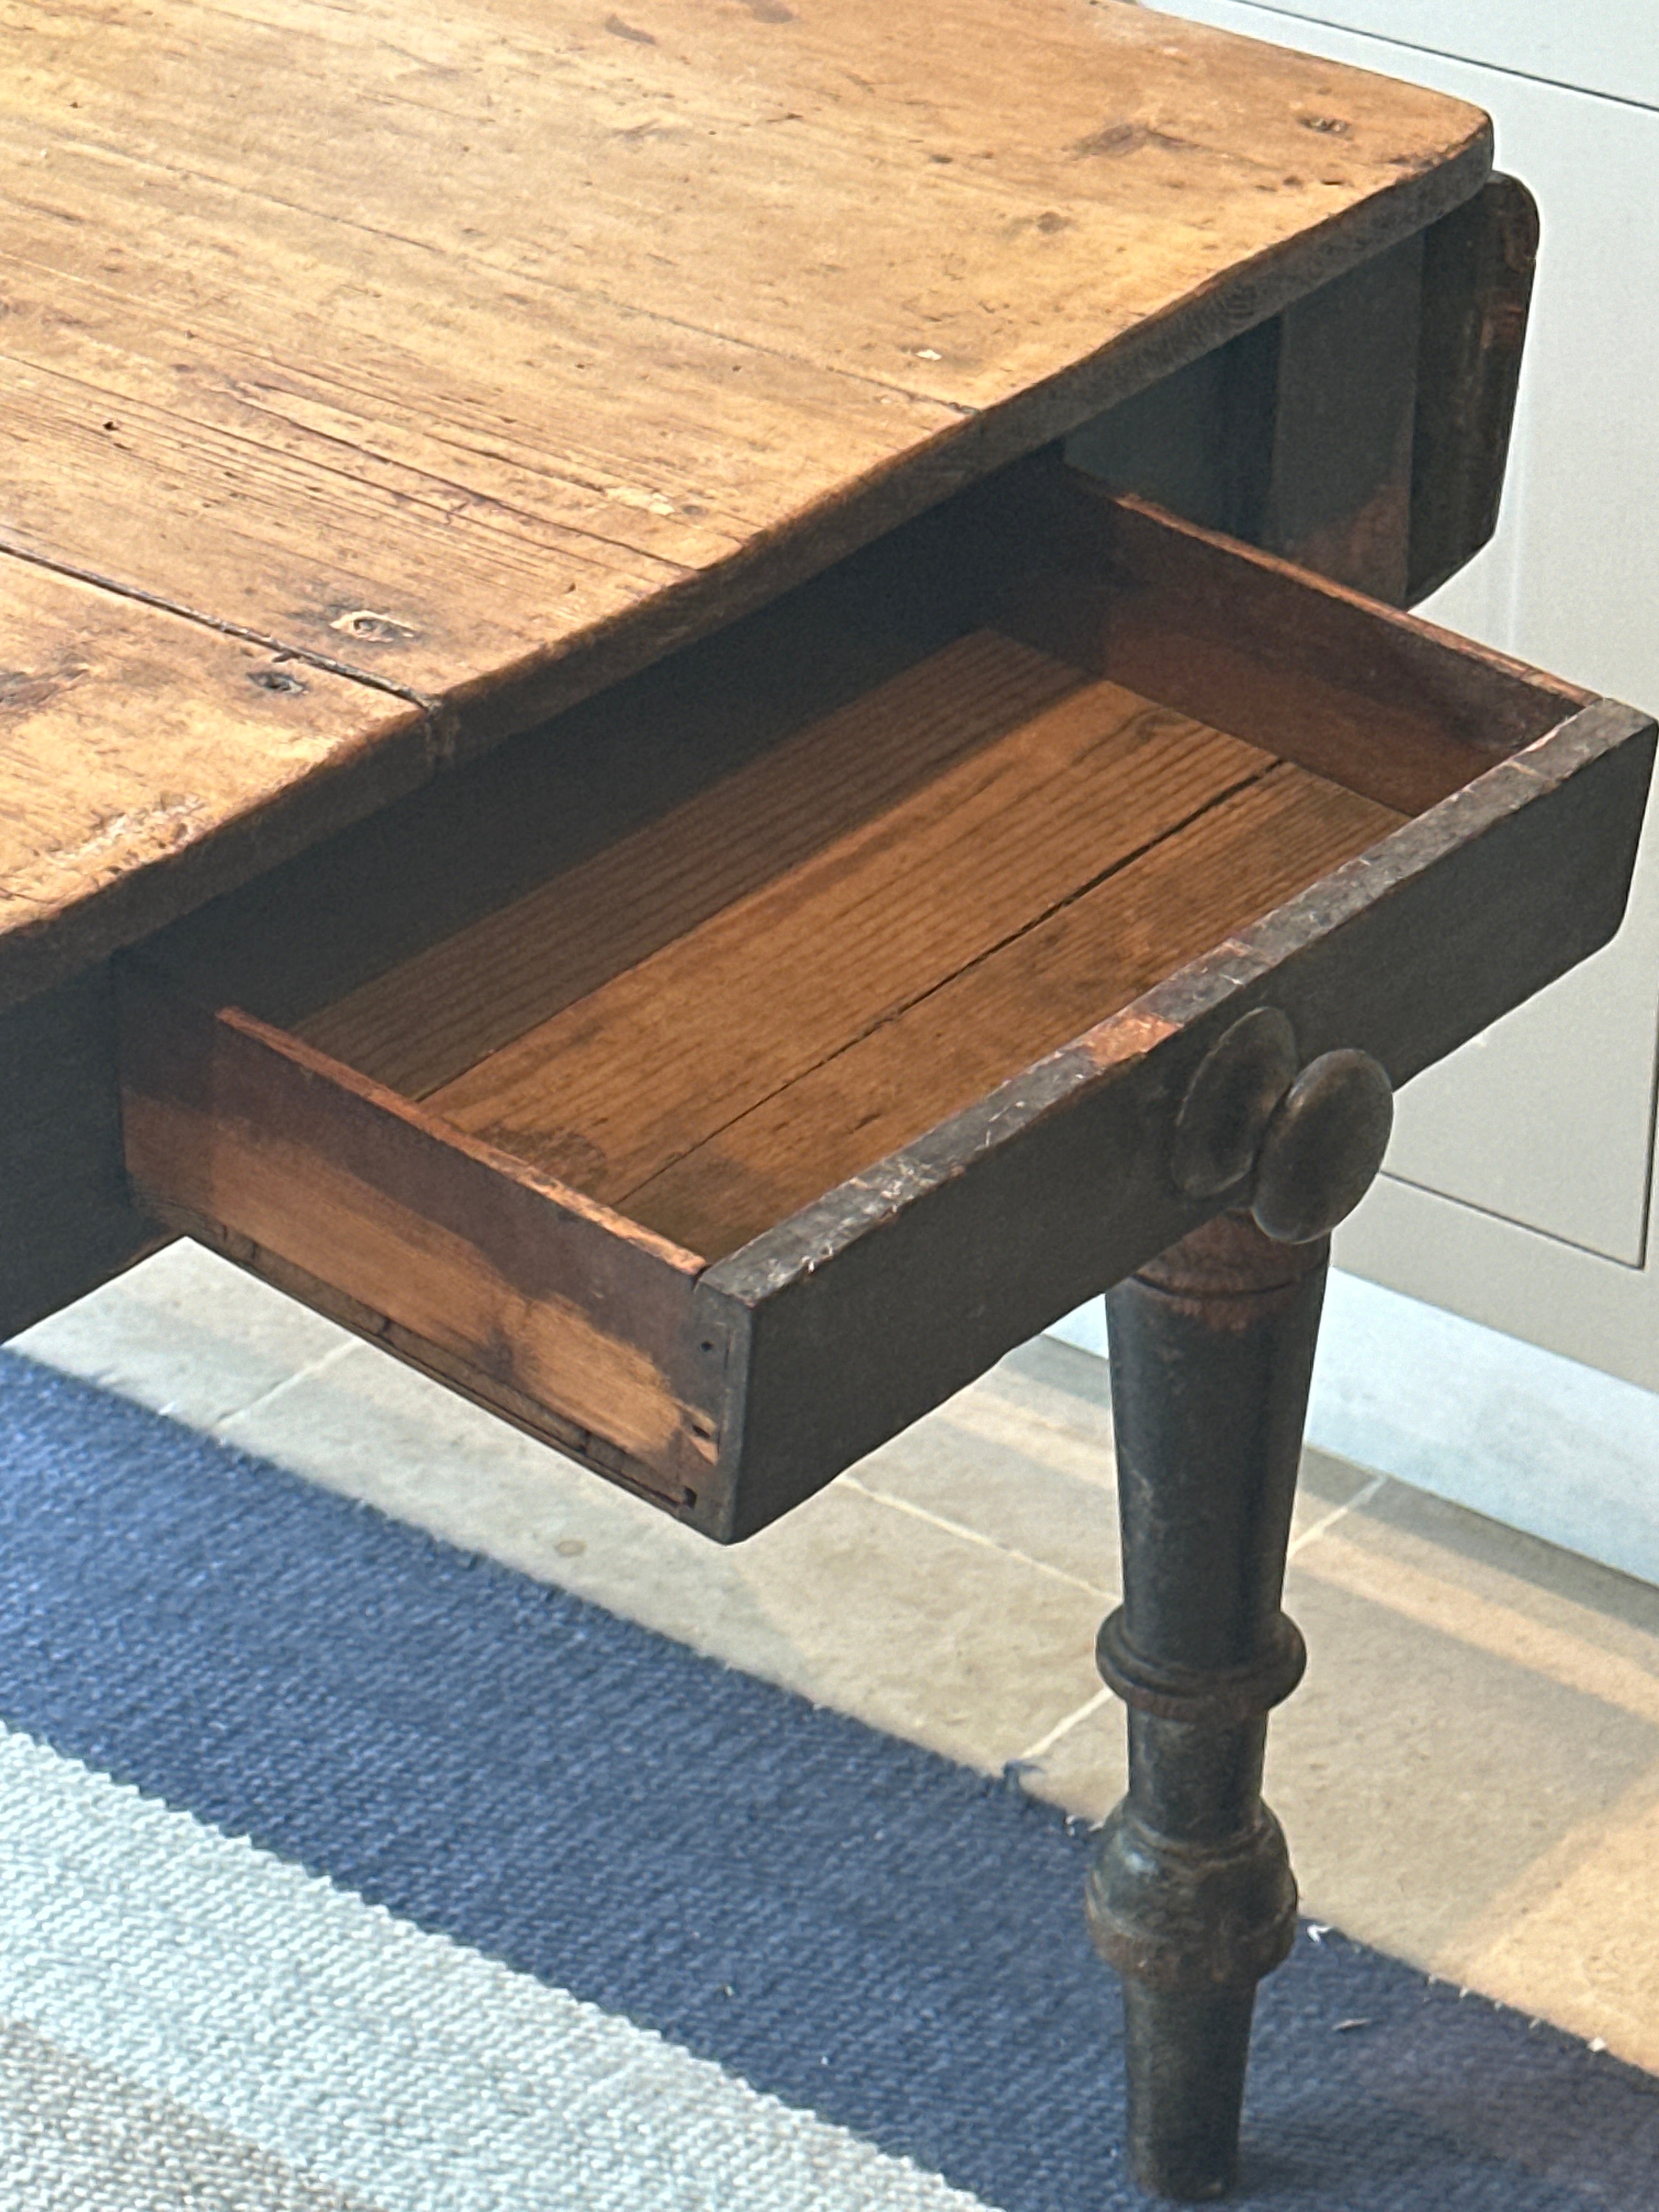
(1377, 700)
(429, 1020)
(605, 1093)
(234, 1130)
(1339, 493)
(1238, 859)
(68, 1217)
(491, 352)
(147, 760)
(304, 936)
(1477, 290)
(924, 1268)
(728, 1380)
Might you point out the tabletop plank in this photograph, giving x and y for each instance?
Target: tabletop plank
(491, 348)
(147, 760)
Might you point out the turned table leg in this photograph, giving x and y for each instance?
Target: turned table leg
(1191, 1896)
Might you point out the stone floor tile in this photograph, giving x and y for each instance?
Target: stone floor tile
(956, 1645)
(850, 1601)
(1406, 1535)
(1573, 1939)
(1427, 1786)
(185, 1333)
(1469, 1775)
(1421, 1773)
(983, 1486)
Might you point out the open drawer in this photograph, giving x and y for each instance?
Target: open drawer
(713, 1080)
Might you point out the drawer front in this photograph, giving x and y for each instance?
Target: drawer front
(719, 1080)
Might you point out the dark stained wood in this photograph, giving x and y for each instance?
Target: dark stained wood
(1199, 442)
(1060, 1178)
(1363, 432)
(68, 1220)
(422, 872)
(239, 1133)
(833, 954)
(1337, 496)
(1477, 287)
(864, 781)
(1189, 1892)
(633, 1076)
(1256, 844)
(1386, 705)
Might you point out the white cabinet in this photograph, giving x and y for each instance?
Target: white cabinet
(1608, 46)
(1522, 1168)
(1518, 1192)
(1547, 1119)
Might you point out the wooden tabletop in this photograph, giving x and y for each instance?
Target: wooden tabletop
(381, 377)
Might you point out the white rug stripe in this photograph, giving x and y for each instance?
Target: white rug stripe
(360, 2051)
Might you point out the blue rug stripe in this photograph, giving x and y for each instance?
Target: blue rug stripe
(843, 1920)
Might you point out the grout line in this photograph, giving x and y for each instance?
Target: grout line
(1490, 1213)
(312, 1368)
(974, 1536)
(1361, 1497)
(1026, 1415)
(1046, 1743)
(1448, 54)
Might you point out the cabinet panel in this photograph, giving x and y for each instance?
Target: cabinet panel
(1608, 46)
(1547, 1119)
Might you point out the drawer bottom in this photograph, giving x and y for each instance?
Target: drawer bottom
(1004, 852)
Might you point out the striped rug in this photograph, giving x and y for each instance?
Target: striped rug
(339, 1869)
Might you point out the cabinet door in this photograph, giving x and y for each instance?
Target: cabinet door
(1546, 1122)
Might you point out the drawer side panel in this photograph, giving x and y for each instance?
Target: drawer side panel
(453, 1256)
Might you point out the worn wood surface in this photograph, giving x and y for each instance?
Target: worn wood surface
(68, 1218)
(727, 990)
(856, 782)
(491, 351)
(146, 760)
(305, 936)
(1380, 702)
(239, 1133)
(917, 1273)
(1251, 847)
(1477, 288)
(1363, 432)
(1338, 492)
(910, 965)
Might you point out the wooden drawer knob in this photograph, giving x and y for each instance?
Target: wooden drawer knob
(1322, 1148)
(1305, 1142)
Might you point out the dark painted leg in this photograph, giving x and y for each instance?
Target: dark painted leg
(1191, 1897)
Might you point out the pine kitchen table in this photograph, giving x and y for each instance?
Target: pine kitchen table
(704, 708)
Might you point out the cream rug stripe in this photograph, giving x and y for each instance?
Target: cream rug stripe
(382, 2065)
(76, 2137)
